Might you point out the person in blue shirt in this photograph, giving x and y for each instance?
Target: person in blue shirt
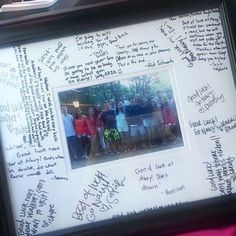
(68, 121)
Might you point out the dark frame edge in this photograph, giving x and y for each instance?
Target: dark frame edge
(163, 222)
(39, 26)
(7, 224)
(7, 213)
(229, 26)
(57, 13)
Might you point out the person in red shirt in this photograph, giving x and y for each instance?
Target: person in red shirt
(81, 132)
(92, 132)
(99, 126)
(169, 119)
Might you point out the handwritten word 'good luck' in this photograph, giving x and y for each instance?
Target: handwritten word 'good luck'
(99, 196)
(205, 98)
(35, 211)
(153, 175)
(213, 125)
(220, 169)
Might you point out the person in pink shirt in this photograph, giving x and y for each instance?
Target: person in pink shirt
(169, 119)
(99, 126)
(92, 132)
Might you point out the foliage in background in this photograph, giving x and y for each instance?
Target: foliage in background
(145, 85)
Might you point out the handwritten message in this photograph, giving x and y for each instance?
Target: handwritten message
(206, 36)
(10, 114)
(38, 78)
(30, 162)
(8, 76)
(98, 40)
(213, 125)
(36, 212)
(36, 100)
(111, 55)
(100, 196)
(221, 169)
(54, 58)
(179, 43)
(154, 176)
(202, 39)
(205, 98)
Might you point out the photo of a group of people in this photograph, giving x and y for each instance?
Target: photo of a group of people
(120, 119)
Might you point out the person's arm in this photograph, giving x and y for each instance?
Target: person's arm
(73, 121)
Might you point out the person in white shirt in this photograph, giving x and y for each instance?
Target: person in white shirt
(122, 126)
(68, 121)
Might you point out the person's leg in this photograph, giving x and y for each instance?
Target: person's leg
(126, 140)
(95, 145)
(93, 148)
(107, 136)
(142, 133)
(172, 137)
(92, 153)
(116, 140)
(72, 146)
(149, 135)
(88, 144)
(120, 144)
(83, 143)
(159, 134)
(111, 141)
(80, 148)
(166, 134)
(151, 132)
(146, 138)
(101, 137)
(133, 136)
(176, 129)
(154, 130)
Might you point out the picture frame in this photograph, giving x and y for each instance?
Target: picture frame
(212, 211)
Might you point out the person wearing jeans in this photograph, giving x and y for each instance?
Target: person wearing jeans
(68, 121)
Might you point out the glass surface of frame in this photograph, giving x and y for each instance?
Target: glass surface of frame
(119, 123)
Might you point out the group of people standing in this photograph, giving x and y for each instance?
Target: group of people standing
(120, 126)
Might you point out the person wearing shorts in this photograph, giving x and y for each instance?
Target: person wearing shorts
(123, 127)
(137, 131)
(169, 119)
(158, 127)
(147, 120)
(92, 133)
(111, 133)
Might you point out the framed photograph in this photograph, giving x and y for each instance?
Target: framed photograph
(119, 119)
(141, 130)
